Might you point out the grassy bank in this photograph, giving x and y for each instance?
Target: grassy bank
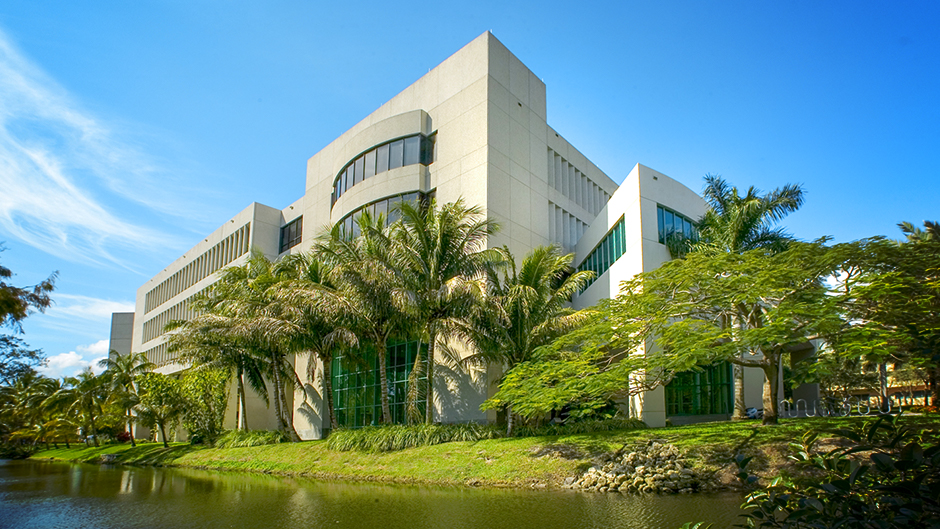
(518, 462)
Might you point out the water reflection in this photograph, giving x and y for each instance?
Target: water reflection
(51, 495)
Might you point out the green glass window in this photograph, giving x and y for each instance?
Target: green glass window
(669, 222)
(357, 387)
(700, 392)
(606, 253)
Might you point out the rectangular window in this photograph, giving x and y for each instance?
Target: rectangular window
(395, 152)
(670, 228)
(427, 151)
(349, 177)
(360, 166)
(661, 224)
(381, 159)
(412, 150)
(370, 165)
(291, 234)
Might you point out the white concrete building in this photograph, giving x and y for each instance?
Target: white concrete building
(475, 127)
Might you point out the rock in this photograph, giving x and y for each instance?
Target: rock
(569, 481)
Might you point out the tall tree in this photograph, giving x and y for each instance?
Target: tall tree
(16, 303)
(120, 374)
(85, 395)
(526, 309)
(779, 301)
(737, 224)
(441, 252)
(162, 403)
(308, 324)
(368, 289)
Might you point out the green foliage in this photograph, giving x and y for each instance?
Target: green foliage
(245, 439)
(883, 475)
(399, 437)
(580, 427)
(162, 403)
(206, 394)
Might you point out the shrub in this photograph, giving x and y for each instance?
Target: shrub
(243, 439)
(896, 486)
(399, 437)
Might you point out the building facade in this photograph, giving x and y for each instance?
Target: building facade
(475, 127)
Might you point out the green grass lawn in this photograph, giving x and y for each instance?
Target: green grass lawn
(516, 462)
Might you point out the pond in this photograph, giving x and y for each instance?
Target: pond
(48, 495)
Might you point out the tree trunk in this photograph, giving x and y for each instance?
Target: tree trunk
(328, 389)
(241, 417)
(276, 374)
(383, 374)
(883, 386)
(934, 389)
(509, 422)
(94, 431)
(737, 378)
(414, 393)
(130, 429)
(429, 412)
(769, 366)
(163, 433)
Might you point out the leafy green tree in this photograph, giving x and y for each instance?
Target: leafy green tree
(526, 308)
(162, 403)
(779, 301)
(891, 293)
(206, 399)
(16, 303)
(441, 252)
(737, 224)
(120, 374)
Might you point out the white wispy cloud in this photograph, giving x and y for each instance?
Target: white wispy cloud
(60, 165)
(71, 306)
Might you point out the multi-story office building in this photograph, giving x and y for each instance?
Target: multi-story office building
(475, 127)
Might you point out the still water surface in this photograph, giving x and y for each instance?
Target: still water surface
(48, 495)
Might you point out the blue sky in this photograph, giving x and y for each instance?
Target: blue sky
(129, 130)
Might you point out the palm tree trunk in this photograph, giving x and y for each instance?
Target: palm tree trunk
(328, 389)
(130, 429)
(275, 373)
(432, 337)
(94, 431)
(414, 391)
(163, 434)
(241, 419)
(383, 374)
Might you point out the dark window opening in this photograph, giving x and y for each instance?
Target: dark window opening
(291, 234)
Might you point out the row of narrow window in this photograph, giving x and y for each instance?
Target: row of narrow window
(291, 234)
(704, 391)
(223, 253)
(611, 248)
(392, 155)
(563, 227)
(388, 207)
(672, 224)
(153, 328)
(574, 184)
(158, 355)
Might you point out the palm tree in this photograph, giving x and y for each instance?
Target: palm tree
(368, 289)
(120, 374)
(245, 297)
(205, 342)
(526, 309)
(84, 395)
(931, 231)
(307, 324)
(736, 224)
(442, 254)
